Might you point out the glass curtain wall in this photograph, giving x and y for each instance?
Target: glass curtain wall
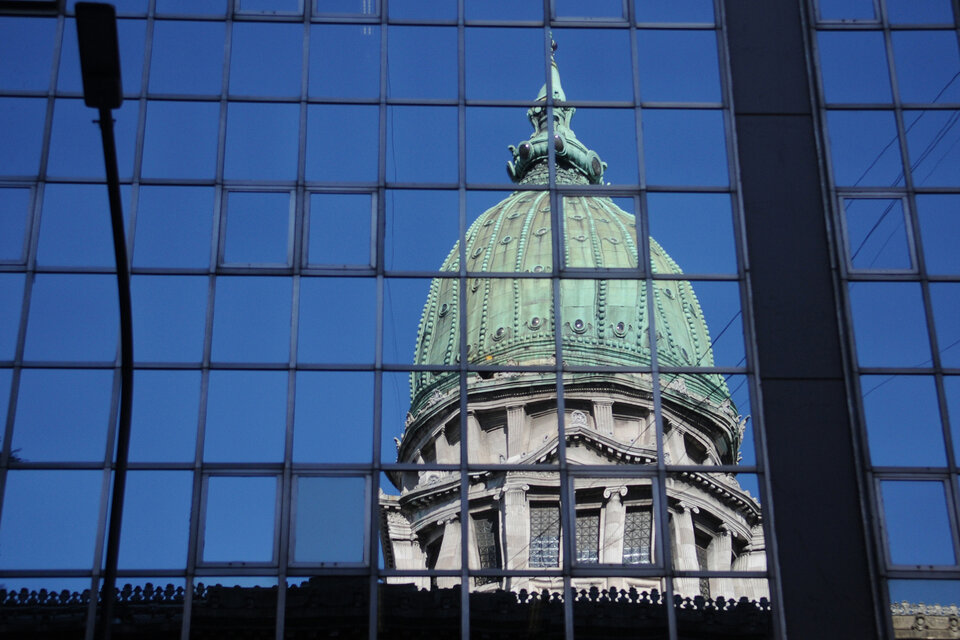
(301, 182)
(889, 80)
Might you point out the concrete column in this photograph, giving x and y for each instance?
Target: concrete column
(603, 415)
(515, 520)
(475, 444)
(449, 556)
(614, 515)
(719, 558)
(685, 558)
(753, 558)
(516, 428)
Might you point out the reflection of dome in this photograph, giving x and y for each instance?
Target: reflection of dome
(603, 322)
(510, 321)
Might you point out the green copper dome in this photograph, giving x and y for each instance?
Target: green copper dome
(603, 322)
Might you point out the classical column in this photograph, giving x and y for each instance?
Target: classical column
(719, 558)
(603, 415)
(515, 537)
(614, 515)
(449, 556)
(516, 429)
(753, 558)
(685, 558)
(475, 444)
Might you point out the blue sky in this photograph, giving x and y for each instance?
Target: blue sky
(247, 318)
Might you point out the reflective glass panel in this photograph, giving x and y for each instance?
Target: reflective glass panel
(265, 59)
(333, 417)
(14, 215)
(162, 430)
(169, 313)
(181, 139)
(918, 529)
(940, 222)
(11, 304)
(344, 61)
(72, 317)
(684, 147)
(173, 227)
(320, 538)
(156, 520)
(678, 66)
(21, 126)
(340, 229)
(246, 416)
(889, 324)
(854, 66)
(259, 228)
(30, 42)
(262, 141)
(337, 320)
(895, 406)
(178, 46)
(240, 521)
(876, 233)
(342, 142)
(251, 320)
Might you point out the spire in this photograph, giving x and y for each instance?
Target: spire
(570, 152)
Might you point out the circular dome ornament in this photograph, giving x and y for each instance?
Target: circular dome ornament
(620, 329)
(535, 323)
(579, 326)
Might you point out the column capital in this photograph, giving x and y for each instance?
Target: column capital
(614, 492)
(688, 507)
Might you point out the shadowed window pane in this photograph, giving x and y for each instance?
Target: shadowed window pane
(156, 520)
(14, 215)
(73, 317)
(320, 538)
(30, 42)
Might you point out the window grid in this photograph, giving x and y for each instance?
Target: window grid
(297, 274)
(636, 537)
(903, 579)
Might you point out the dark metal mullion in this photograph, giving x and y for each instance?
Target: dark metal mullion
(567, 507)
(372, 530)
(464, 497)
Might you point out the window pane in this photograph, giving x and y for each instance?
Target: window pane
(259, 227)
(333, 419)
(156, 520)
(917, 525)
(678, 66)
(934, 144)
(169, 313)
(578, 51)
(246, 416)
(251, 321)
(487, 48)
(14, 215)
(72, 317)
(488, 132)
(939, 224)
(30, 42)
(412, 9)
(161, 430)
(588, 537)
(340, 229)
(408, 159)
(180, 45)
(574, 9)
(422, 62)
(846, 9)
(403, 306)
(265, 59)
(343, 142)
(684, 147)
(270, 7)
(21, 127)
(544, 535)
(927, 65)
(11, 304)
(889, 324)
(504, 10)
(35, 504)
(854, 66)
(131, 36)
(637, 531)
(262, 141)
(173, 227)
(421, 228)
(864, 148)
(486, 532)
(927, 11)
(344, 61)
(322, 539)
(895, 405)
(876, 233)
(181, 139)
(951, 389)
(193, 7)
(672, 11)
(696, 230)
(75, 226)
(76, 149)
(946, 310)
(63, 414)
(612, 133)
(240, 519)
(325, 334)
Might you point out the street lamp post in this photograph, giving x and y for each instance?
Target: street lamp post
(102, 90)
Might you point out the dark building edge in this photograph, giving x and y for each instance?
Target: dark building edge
(824, 551)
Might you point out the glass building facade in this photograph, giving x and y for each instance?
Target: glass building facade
(295, 172)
